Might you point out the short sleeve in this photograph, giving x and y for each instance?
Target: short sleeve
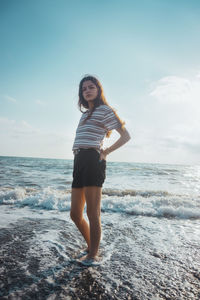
(110, 120)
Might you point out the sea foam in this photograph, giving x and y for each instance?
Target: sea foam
(130, 202)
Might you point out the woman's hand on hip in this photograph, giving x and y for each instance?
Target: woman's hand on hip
(103, 154)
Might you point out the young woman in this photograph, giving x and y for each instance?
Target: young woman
(96, 122)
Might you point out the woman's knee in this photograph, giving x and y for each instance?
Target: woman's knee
(93, 215)
(75, 217)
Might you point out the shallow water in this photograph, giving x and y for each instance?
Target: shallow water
(150, 247)
(141, 258)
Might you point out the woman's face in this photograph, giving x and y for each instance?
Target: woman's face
(89, 90)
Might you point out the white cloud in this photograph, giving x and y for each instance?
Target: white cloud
(170, 131)
(174, 89)
(14, 128)
(9, 98)
(179, 97)
(22, 139)
(164, 146)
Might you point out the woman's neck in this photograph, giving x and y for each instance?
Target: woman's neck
(90, 105)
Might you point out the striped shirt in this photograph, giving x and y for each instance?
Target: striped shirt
(90, 133)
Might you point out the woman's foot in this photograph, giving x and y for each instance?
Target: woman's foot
(82, 253)
(87, 257)
(88, 260)
(86, 250)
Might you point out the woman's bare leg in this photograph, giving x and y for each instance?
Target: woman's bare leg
(93, 200)
(77, 208)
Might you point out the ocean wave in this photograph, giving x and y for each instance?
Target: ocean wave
(176, 206)
(131, 202)
(145, 194)
(160, 212)
(47, 198)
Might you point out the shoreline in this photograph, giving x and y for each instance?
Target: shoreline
(37, 251)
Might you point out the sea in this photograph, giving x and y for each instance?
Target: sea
(150, 246)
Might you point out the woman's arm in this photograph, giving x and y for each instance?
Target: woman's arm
(124, 138)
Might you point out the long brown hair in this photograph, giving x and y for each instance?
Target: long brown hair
(99, 100)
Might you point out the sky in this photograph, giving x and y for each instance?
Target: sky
(144, 52)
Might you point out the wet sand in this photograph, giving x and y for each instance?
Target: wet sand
(36, 259)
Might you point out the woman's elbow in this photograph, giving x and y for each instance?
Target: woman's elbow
(126, 136)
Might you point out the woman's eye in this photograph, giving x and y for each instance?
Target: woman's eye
(90, 88)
